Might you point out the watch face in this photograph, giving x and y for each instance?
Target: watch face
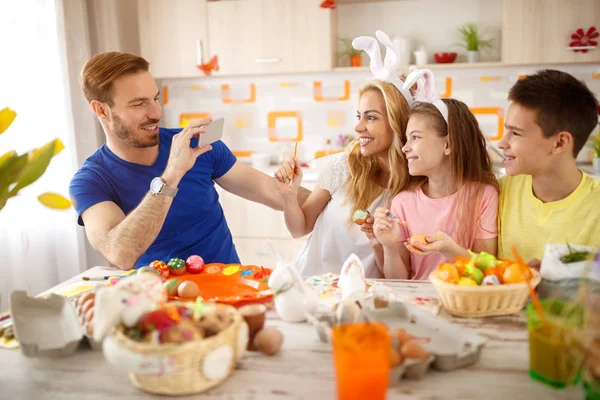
(156, 185)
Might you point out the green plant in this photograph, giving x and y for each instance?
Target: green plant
(347, 49)
(18, 171)
(471, 38)
(595, 140)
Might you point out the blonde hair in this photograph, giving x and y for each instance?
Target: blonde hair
(361, 187)
(99, 73)
(469, 159)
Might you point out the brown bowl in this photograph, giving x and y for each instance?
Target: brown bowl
(254, 315)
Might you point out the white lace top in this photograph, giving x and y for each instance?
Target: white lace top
(332, 241)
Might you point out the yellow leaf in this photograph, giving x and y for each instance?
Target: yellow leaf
(58, 147)
(7, 116)
(53, 200)
(6, 157)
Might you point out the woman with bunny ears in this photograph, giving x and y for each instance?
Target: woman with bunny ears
(452, 196)
(368, 175)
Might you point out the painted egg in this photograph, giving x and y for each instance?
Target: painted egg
(184, 331)
(160, 267)
(148, 270)
(176, 266)
(490, 280)
(188, 289)
(194, 264)
(171, 286)
(360, 216)
(420, 238)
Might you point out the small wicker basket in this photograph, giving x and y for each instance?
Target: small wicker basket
(483, 301)
(193, 366)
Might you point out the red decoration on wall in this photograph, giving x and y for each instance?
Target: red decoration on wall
(328, 4)
(209, 67)
(581, 38)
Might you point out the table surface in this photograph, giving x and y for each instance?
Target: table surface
(302, 370)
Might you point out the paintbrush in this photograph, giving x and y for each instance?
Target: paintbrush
(534, 298)
(294, 169)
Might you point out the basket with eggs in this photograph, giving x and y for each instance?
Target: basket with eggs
(483, 286)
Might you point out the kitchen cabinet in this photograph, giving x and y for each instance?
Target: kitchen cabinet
(271, 36)
(539, 31)
(252, 225)
(169, 33)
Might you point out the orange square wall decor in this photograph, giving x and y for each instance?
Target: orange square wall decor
(226, 95)
(185, 118)
(272, 125)
(499, 111)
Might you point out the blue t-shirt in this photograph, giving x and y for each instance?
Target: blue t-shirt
(195, 223)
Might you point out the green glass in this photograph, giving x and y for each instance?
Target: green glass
(553, 359)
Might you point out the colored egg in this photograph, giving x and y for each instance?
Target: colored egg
(160, 267)
(447, 272)
(176, 266)
(514, 274)
(171, 286)
(194, 264)
(420, 238)
(360, 216)
(147, 270)
(490, 280)
(188, 289)
(466, 282)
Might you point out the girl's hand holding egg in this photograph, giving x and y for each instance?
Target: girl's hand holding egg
(422, 244)
(385, 228)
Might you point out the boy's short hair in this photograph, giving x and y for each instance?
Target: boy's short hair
(103, 69)
(562, 103)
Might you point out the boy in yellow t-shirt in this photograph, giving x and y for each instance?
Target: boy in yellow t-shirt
(545, 198)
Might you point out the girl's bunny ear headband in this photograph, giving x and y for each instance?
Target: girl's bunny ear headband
(425, 89)
(387, 71)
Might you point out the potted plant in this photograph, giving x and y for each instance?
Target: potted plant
(596, 160)
(472, 41)
(18, 171)
(350, 52)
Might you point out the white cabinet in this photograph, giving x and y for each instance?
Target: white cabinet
(253, 224)
(271, 36)
(169, 32)
(539, 31)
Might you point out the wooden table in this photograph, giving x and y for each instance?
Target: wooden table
(302, 370)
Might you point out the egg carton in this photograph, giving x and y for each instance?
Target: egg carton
(47, 326)
(449, 346)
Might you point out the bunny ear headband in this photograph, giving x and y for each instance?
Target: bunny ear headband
(387, 71)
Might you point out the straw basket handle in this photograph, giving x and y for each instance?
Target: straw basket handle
(137, 363)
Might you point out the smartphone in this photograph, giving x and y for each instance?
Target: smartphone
(214, 132)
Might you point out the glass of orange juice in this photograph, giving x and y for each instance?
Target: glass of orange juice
(361, 354)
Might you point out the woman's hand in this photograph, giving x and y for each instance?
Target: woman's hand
(283, 175)
(367, 228)
(386, 228)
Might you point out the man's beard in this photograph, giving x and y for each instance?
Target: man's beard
(127, 134)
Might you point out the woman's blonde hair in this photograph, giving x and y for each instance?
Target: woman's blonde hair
(361, 187)
(469, 159)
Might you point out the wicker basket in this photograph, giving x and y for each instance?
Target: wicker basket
(181, 369)
(483, 301)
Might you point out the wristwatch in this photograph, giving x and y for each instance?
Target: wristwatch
(159, 188)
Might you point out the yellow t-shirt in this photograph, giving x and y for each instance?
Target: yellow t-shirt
(528, 223)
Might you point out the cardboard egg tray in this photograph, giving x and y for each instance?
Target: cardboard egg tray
(48, 326)
(449, 346)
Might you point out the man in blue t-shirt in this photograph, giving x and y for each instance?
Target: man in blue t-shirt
(148, 193)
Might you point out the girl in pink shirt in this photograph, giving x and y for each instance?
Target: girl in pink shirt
(452, 197)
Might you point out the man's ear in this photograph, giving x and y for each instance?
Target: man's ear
(563, 141)
(102, 110)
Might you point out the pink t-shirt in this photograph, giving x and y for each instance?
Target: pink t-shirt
(425, 215)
